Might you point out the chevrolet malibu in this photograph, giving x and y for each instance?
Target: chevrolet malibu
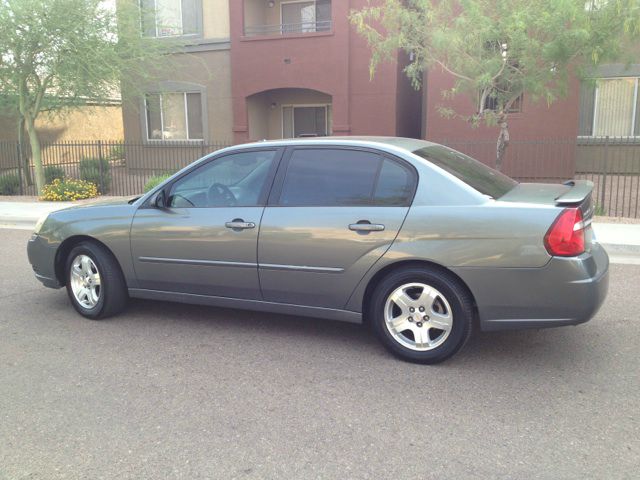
(419, 241)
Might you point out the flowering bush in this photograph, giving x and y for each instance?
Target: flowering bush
(68, 189)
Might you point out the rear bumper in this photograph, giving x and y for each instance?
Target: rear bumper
(566, 291)
(42, 259)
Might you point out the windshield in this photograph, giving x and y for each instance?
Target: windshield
(475, 174)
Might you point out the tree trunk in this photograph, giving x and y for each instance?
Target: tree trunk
(24, 158)
(36, 153)
(503, 142)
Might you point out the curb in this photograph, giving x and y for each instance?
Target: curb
(620, 249)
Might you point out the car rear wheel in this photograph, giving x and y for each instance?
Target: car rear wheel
(422, 315)
(95, 283)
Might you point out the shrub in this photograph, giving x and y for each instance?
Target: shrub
(116, 152)
(52, 172)
(9, 184)
(155, 181)
(96, 171)
(69, 189)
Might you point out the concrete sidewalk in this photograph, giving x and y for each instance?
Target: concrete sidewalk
(24, 215)
(622, 241)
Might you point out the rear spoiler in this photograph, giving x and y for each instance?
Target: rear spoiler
(580, 189)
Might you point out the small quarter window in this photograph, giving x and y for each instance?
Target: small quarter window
(395, 184)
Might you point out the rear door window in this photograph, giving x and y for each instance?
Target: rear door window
(341, 177)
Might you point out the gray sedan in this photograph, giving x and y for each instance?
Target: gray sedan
(419, 241)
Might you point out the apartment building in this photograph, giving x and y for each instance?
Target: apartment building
(268, 69)
(300, 69)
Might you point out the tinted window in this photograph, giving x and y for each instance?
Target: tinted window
(395, 184)
(233, 180)
(475, 174)
(333, 177)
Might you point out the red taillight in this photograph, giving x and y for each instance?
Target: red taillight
(565, 238)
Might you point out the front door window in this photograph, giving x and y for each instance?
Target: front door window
(306, 121)
(234, 180)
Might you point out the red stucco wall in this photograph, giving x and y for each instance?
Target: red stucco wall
(543, 138)
(335, 63)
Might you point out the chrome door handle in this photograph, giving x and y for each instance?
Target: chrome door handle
(239, 224)
(366, 227)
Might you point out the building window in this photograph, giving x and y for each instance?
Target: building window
(306, 121)
(170, 18)
(174, 116)
(305, 16)
(611, 107)
(491, 103)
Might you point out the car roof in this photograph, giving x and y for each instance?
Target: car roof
(408, 144)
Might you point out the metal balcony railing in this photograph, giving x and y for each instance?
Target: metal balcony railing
(288, 28)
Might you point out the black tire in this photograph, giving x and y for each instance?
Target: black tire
(457, 296)
(113, 295)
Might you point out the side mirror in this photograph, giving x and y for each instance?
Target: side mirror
(161, 200)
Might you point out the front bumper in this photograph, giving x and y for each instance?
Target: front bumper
(42, 259)
(567, 291)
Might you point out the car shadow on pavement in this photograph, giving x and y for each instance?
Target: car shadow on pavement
(546, 348)
(531, 347)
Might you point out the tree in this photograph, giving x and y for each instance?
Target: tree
(498, 50)
(58, 54)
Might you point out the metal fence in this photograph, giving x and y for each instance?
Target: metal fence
(613, 165)
(118, 168)
(288, 28)
(124, 168)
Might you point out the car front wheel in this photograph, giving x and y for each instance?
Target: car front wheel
(95, 283)
(422, 315)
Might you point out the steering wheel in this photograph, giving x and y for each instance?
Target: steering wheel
(181, 198)
(220, 195)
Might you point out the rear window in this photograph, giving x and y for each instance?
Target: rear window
(477, 175)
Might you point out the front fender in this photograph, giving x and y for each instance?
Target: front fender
(108, 224)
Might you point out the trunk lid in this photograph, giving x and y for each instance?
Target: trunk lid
(570, 194)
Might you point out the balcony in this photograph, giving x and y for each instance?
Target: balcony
(288, 28)
(278, 17)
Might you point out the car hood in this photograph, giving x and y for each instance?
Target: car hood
(101, 203)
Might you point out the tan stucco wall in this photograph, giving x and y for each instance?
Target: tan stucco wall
(84, 123)
(211, 69)
(258, 113)
(265, 122)
(215, 18)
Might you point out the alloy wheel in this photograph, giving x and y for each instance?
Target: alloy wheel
(85, 281)
(418, 316)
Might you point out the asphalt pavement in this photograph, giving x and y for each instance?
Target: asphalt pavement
(168, 391)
